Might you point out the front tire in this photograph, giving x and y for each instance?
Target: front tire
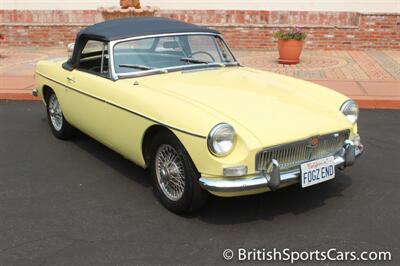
(59, 126)
(174, 176)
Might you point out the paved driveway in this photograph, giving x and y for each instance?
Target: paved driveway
(78, 203)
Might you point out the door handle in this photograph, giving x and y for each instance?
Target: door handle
(70, 80)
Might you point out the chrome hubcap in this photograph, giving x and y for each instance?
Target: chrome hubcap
(170, 172)
(55, 112)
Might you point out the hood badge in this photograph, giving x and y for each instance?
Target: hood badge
(314, 142)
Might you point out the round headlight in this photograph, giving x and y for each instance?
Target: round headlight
(221, 139)
(350, 110)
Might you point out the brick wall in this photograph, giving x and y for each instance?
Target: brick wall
(241, 29)
(44, 28)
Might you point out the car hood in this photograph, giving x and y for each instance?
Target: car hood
(272, 107)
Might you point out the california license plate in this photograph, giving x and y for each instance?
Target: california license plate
(317, 171)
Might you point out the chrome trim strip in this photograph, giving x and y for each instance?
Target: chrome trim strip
(164, 35)
(121, 107)
(116, 76)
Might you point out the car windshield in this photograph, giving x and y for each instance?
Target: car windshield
(171, 52)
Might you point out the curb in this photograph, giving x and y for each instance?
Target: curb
(378, 104)
(362, 103)
(18, 96)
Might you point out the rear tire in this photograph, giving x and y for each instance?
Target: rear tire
(59, 126)
(175, 178)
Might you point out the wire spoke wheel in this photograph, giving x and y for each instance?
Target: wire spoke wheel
(170, 172)
(55, 112)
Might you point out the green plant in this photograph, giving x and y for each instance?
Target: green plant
(294, 33)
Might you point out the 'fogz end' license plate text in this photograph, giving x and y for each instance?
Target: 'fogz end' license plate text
(317, 171)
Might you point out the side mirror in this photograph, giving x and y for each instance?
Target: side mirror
(70, 49)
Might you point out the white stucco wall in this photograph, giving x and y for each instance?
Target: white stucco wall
(308, 5)
(56, 4)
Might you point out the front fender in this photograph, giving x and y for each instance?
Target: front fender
(210, 165)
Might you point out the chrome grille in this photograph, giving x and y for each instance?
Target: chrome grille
(293, 154)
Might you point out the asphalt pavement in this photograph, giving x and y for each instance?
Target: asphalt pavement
(79, 203)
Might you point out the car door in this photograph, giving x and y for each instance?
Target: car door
(88, 85)
(99, 103)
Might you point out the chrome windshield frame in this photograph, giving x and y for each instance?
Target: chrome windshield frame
(115, 76)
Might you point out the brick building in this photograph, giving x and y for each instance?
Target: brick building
(335, 24)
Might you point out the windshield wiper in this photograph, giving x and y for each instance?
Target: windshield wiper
(198, 61)
(194, 60)
(141, 67)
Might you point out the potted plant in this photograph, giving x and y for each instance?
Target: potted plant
(290, 44)
(124, 3)
(130, 3)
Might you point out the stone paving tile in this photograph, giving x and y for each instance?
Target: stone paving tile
(381, 88)
(346, 87)
(352, 70)
(386, 62)
(395, 55)
(330, 65)
(314, 65)
(22, 60)
(16, 82)
(370, 66)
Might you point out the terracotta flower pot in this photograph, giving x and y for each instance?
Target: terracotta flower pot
(124, 3)
(289, 51)
(129, 3)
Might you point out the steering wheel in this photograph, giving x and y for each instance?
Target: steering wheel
(95, 69)
(206, 53)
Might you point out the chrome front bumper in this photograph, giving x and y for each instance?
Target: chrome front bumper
(272, 178)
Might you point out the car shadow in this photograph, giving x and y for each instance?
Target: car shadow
(294, 200)
(112, 159)
(218, 210)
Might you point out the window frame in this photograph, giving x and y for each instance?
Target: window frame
(103, 55)
(115, 76)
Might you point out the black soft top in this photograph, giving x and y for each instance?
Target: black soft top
(138, 26)
(117, 29)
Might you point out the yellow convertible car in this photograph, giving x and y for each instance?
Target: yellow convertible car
(171, 96)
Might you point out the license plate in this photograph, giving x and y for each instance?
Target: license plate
(317, 171)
